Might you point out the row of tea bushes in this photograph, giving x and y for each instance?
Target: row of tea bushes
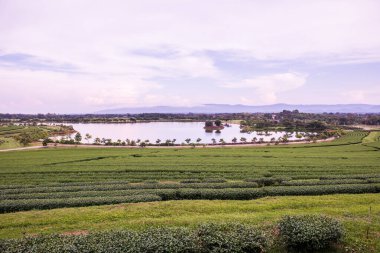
(12, 205)
(205, 238)
(295, 232)
(246, 194)
(111, 187)
(7, 206)
(330, 182)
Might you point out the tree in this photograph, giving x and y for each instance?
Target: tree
(88, 137)
(254, 139)
(199, 140)
(142, 144)
(25, 138)
(97, 141)
(188, 140)
(78, 137)
(208, 124)
(234, 140)
(174, 140)
(45, 142)
(158, 141)
(218, 123)
(243, 139)
(213, 141)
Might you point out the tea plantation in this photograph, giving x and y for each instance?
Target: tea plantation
(54, 178)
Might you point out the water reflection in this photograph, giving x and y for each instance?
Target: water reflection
(171, 130)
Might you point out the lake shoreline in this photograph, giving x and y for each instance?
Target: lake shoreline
(53, 145)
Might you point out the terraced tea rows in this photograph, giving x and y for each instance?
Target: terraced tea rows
(52, 178)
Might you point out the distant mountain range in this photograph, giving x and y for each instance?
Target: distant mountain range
(226, 108)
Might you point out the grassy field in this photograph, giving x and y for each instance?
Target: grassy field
(8, 134)
(207, 185)
(352, 210)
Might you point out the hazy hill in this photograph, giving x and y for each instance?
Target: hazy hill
(225, 108)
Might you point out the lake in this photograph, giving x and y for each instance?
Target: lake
(166, 130)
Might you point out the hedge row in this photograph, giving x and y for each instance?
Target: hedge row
(266, 181)
(7, 206)
(79, 194)
(111, 187)
(205, 238)
(310, 232)
(362, 177)
(329, 182)
(178, 194)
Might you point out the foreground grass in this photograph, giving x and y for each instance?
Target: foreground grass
(352, 210)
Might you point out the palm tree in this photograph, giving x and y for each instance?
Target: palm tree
(213, 141)
(188, 140)
(199, 140)
(158, 141)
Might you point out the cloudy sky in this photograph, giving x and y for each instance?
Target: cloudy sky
(73, 56)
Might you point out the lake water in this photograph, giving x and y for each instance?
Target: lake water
(166, 130)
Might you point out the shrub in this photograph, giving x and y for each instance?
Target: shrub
(29, 204)
(205, 238)
(310, 232)
(233, 237)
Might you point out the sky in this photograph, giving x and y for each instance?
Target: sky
(81, 56)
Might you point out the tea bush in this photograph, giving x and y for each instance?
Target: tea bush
(204, 238)
(22, 202)
(310, 232)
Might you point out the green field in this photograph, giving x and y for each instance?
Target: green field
(9, 132)
(201, 184)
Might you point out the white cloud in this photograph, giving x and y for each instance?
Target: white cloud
(363, 96)
(281, 30)
(99, 38)
(268, 86)
(28, 91)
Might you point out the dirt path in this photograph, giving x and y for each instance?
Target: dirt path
(24, 148)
